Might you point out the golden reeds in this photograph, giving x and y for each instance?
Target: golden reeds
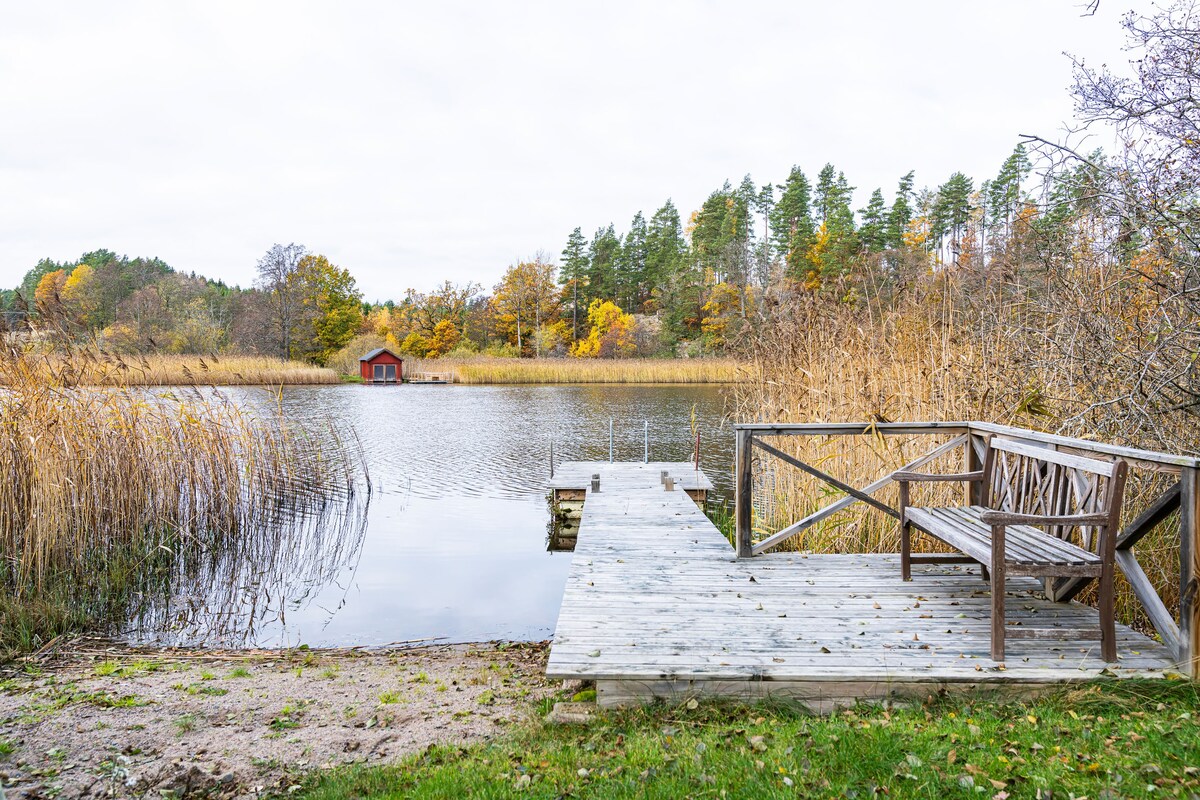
(483, 369)
(924, 358)
(111, 494)
(93, 368)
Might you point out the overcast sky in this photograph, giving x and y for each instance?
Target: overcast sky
(415, 142)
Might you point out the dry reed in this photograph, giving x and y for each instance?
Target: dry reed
(926, 358)
(483, 369)
(113, 495)
(94, 368)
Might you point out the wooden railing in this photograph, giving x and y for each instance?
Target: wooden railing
(1180, 632)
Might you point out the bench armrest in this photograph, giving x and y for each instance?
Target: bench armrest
(925, 477)
(1011, 518)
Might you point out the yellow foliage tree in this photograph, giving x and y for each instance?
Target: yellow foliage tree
(721, 307)
(80, 294)
(445, 338)
(48, 294)
(414, 345)
(611, 333)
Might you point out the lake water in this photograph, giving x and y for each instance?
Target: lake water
(452, 542)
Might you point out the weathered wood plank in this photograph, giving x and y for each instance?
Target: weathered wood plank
(656, 593)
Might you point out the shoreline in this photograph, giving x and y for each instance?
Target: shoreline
(126, 721)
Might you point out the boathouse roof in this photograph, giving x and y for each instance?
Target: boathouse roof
(378, 351)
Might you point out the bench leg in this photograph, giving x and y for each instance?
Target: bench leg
(983, 569)
(998, 570)
(1107, 604)
(998, 613)
(905, 535)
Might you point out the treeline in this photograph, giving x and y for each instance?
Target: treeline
(139, 305)
(661, 287)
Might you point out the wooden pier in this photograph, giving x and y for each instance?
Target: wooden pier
(657, 605)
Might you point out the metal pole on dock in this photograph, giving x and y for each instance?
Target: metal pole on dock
(551, 459)
(646, 439)
(610, 441)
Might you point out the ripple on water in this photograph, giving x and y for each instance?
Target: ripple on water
(455, 535)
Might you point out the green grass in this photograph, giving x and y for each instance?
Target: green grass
(1133, 739)
(121, 670)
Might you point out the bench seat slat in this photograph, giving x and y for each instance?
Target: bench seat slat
(1037, 542)
(962, 529)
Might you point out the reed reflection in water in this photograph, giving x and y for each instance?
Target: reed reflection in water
(452, 544)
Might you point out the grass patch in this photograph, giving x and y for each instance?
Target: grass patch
(133, 669)
(240, 672)
(483, 369)
(201, 689)
(1128, 739)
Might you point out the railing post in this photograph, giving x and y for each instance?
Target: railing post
(971, 463)
(743, 503)
(646, 441)
(610, 440)
(1189, 571)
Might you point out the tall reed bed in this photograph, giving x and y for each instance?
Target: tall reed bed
(90, 367)
(930, 357)
(112, 497)
(483, 369)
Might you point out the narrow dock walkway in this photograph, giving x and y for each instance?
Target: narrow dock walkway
(657, 605)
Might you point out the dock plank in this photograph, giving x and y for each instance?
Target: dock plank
(657, 605)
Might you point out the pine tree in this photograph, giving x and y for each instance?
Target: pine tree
(602, 280)
(900, 215)
(1004, 195)
(574, 273)
(665, 246)
(952, 210)
(872, 232)
(633, 289)
(792, 225)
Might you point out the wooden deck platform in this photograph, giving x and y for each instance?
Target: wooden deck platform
(657, 605)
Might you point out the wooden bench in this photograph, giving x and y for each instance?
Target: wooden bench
(1035, 512)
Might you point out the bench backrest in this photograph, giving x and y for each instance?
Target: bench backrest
(1026, 479)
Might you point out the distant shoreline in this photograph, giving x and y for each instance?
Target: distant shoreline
(234, 370)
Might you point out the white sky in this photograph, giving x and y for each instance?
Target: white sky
(415, 142)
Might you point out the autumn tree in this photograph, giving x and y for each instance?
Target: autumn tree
(48, 299)
(277, 278)
(330, 307)
(525, 299)
(611, 332)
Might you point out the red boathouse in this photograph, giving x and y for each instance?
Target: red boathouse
(381, 366)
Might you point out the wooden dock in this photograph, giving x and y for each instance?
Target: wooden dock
(656, 604)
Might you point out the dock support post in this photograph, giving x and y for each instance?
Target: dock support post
(646, 441)
(610, 441)
(743, 503)
(1189, 571)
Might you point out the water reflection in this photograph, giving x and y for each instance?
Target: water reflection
(452, 544)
